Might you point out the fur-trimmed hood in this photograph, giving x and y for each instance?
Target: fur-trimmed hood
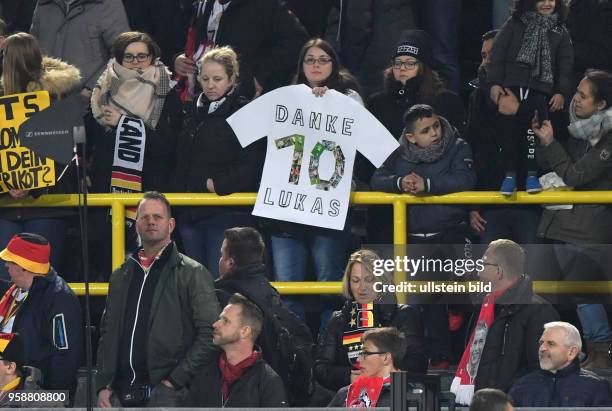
(58, 78)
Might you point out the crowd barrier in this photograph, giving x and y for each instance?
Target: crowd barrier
(118, 202)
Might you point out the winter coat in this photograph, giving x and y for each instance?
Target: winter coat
(158, 166)
(60, 80)
(365, 34)
(266, 37)
(389, 106)
(51, 329)
(258, 387)
(568, 387)
(451, 173)
(589, 24)
(511, 348)
(179, 334)
(208, 148)
(585, 168)
(166, 21)
(505, 71)
(332, 368)
(83, 36)
(17, 14)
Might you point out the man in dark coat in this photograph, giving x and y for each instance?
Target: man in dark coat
(264, 34)
(561, 382)
(512, 328)
(239, 377)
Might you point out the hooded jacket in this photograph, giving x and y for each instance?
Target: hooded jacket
(60, 79)
(82, 35)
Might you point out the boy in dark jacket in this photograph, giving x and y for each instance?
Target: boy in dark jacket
(431, 159)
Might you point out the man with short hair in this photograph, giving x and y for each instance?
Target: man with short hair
(239, 377)
(42, 308)
(491, 399)
(157, 326)
(382, 349)
(511, 320)
(561, 382)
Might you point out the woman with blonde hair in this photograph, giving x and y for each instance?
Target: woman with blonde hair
(338, 350)
(211, 160)
(27, 70)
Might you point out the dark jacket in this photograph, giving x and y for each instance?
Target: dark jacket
(266, 37)
(585, 168)
(17, 15)
(158, 167)
(82, 36)
(505, 71)
(451, 173)
(332, 367)
(60, 80)
(365, 34)
(568, 387)
(511, 348)
(589, 25)
(50, 311)
(384, 399)
(208, 148)
(389, 106)
(258, 387)
(180, 326)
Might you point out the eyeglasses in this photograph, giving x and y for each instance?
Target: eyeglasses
(141, 58)
(409, 65)
(365, 353)
(323, 61)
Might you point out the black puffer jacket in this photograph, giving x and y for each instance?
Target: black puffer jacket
(569, 387)
(332, 367)
(365, 33)
(505, 71)
(259, 387)
(208, 148)
(158, 166)
(511, 348)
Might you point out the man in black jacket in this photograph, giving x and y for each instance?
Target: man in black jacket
(43, 310)
(240, 377)
(561, 382)
(512, 318)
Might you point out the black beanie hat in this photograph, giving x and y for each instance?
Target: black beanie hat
(11, 348)
(416, 43)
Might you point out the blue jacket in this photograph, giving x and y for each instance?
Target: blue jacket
(451, 173)
(51, 329)
(569, 387)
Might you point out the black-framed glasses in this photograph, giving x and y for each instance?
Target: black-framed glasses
(323, 61)
(366, 353)
(409, 65)
(141, 57)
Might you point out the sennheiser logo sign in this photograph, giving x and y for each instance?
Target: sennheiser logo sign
(404, 48)
(47, 133)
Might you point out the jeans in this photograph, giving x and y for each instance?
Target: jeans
(440, 18)
(517, 223)
(202, 239)
(585, 263)
(53, 229)
(328, 249)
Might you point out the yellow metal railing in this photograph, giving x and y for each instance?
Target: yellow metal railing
(118, 202)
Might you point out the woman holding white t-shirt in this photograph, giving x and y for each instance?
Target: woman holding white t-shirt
(318, 67)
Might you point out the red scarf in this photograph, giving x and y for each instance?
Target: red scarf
(465, 377)
(8, 305)
(364, 391)
(231, 373)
